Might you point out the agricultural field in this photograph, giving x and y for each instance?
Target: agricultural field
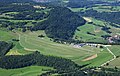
(98, 59)
(32, 42)
(116, 50)
(6, 35)
(100, 8)
(27, 71)
(81, 32)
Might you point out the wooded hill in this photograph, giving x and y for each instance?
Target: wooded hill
(4, 48)
(61, 23)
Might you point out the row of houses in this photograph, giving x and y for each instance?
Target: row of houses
(86, 44)
(112, 39)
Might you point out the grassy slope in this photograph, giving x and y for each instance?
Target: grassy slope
(27, 71)
(45, 46)
(82, 34)
(32, 41)
(116, 50)
(102, 57)
(6, 35)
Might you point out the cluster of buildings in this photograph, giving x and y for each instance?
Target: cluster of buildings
(114, 38)
(86, 44)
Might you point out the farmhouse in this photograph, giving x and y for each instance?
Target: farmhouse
(114, 38)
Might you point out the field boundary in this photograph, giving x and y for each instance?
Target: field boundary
(114, 57)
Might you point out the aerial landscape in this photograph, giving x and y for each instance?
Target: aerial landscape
(59, 37)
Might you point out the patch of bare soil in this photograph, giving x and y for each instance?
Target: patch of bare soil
(90, 58)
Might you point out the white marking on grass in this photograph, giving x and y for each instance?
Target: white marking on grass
(114, 57)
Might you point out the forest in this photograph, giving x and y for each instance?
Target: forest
(62, 66)
(82, 3)
(61, 23)
(4, 48)
(112, 17)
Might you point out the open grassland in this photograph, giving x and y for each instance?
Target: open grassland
(101, 8)
(27, 71)
(116, 50)
(82, 32)
(114, 63)
(18, 50)
(102, 57)
(31, 41)
(6, 35)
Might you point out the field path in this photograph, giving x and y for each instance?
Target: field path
(23, 46)
(114, 57)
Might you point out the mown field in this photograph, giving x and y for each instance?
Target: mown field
(31, 42)
(116, 50)
(82, 31)
(27, 71)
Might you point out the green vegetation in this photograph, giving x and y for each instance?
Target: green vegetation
(6, 35)
(100, 8)
(102, 57)
(116, 50)
(58, 33)
(81, 32)
(27, 71)
(31, 41)
(4, 48)
(61, 23)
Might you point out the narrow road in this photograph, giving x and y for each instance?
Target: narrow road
(114, 57)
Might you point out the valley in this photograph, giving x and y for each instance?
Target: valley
(65, 38)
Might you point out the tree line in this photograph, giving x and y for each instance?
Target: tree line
(61, 23)
(4, 48)
(113, 17)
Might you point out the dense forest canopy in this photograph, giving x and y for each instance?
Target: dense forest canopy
(16, 1)
(113, 17)
(61, 23)
(4, 48)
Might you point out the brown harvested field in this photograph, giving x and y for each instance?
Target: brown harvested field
(90, 58)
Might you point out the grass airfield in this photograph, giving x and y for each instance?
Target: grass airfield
(30, 42)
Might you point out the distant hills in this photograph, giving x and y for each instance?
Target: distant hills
(56, 0)
(16, 0)
(46, 0)
(28, 0)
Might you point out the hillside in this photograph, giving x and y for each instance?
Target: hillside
(16, 1)
(59, 38)
(61, 23)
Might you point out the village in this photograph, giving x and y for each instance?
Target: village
(114, 39)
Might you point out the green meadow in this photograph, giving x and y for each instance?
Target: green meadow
(26, 71)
